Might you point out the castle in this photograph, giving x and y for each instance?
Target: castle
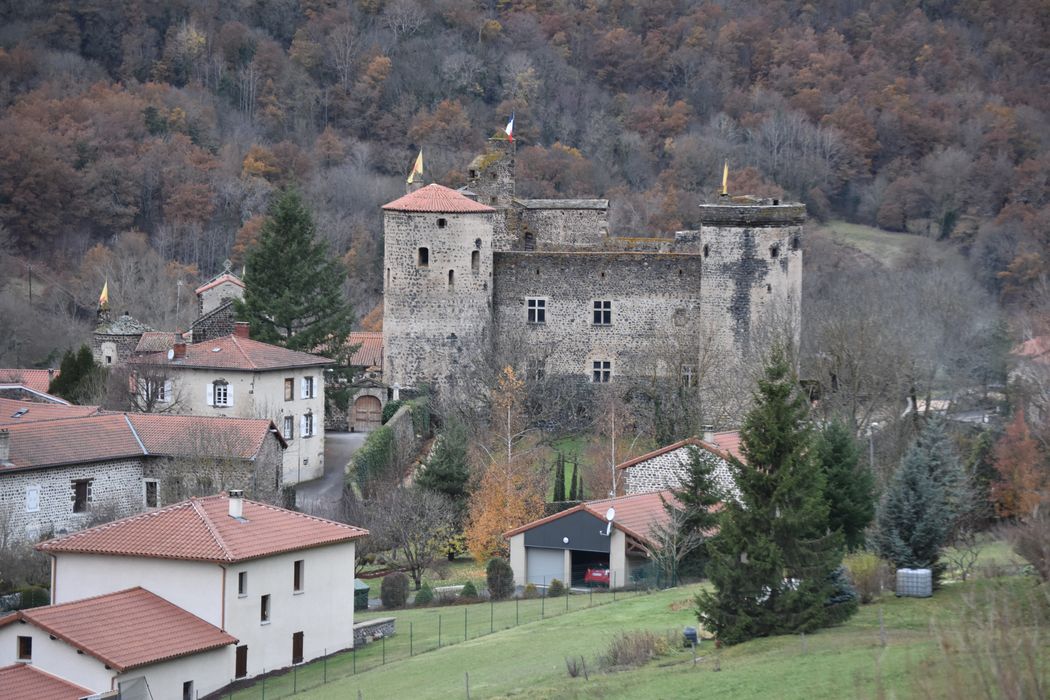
(477, 276)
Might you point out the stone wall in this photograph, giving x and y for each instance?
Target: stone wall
(655, 302)
(666, 471)
(372, 630)
(216, 323)
(565, 228)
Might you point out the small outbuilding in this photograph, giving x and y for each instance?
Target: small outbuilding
(604, 542)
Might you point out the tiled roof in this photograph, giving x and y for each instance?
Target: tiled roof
(235, 353)
(724, 445)
(105, 436)
(370, 352)
(27, 682)
(128, 629)
(201, 529)
(35, 379)
(224, 277)
(155, 341)
(638, 515)
(15, 412)
(437, 199)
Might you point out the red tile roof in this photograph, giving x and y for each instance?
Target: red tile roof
(224, 277)
(105, 436)
(638, 515)
(724, 445)
(33, 411)
(234, 353)
(156, 341)
(201, 529)
(35, 379)
(128, 629)
(370, 352)
(27, 682)
(437, 199)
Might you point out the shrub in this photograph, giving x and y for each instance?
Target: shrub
(394, 590)
(530, 591)
(390, 409)
(424, 596)
(843, 600)
(1031, 540)
(469, 590)
(634, 649)
(500, 578)
(868, 573)
(557, 588)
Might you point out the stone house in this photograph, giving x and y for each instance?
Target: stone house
(663, 468)
(63, 466)
(539, 284)
(113, 343)
(278, 582)
(234, 376)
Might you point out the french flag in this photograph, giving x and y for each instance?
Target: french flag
(510, 128)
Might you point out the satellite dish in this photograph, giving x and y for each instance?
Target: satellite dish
(610, 514)
(171, 354)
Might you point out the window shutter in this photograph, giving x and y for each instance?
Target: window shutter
(302, 426)
(209, 396)
(168, 386)
(229, 394)
(305, 390)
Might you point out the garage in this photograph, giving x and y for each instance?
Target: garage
(368, 413)
(544, 565)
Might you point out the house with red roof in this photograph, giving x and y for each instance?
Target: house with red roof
(116, 641)
(278, 582)
(24, 681)
(61, 467)
(234, 376)
(663, 468)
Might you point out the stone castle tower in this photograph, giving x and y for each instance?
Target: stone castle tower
(480, 275)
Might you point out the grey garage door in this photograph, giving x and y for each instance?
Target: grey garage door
(542, 565)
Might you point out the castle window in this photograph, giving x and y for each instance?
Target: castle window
(774, 250)
(601, 371)
(688, 375)
(707, 250)
(535, 369)
(451, 280)
(679, 317)
(795, 243)
(388, 277)
(423, 257)
(475, 260)
(602, 313)
(536, 310)
(442, 223)
(151, 493)
(769, 288)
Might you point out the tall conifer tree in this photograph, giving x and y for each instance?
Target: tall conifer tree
(293, 286)
(773, 560)
(849, 491)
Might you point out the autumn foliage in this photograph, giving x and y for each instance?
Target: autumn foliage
(1022, 471)
(507, 496)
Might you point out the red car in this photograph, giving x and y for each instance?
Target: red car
(597, 576)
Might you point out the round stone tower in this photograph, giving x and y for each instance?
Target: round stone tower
(437, 289)
(752, 272)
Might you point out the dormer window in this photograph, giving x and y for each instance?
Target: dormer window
(423, 257)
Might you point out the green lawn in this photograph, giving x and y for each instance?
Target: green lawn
(528, 660)
(884, 246)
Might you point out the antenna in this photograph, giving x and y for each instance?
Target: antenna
(609, 515)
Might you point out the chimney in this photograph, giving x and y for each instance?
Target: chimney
(236, 503)
(180, 350)
(709, 434)
(5, 446)
(240, 329)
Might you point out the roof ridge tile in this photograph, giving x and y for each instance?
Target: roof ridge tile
(228, 555)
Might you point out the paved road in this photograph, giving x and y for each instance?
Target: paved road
(321, 496)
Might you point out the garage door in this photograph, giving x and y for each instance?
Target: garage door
(368, 413)
(542, 565)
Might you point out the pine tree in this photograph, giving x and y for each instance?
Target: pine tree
(293, 286)
(559, 479)
(79, 379)
(773, 560)
(574, 491)
(698, 493)
(849, 491)
(448, 470)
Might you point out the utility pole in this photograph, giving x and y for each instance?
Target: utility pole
(612, 454)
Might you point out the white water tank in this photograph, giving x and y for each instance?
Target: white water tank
(915, 583)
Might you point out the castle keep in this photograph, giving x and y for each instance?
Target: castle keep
(477, 277)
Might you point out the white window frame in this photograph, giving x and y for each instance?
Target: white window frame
(213, 393)
(601, 371)
(308, 387)
(145, 492)
(601, 312)
(299, 566)
(536, 311)
(33, 498)
(307, 425)
(289, 428)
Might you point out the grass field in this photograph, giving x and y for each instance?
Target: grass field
(884, 246)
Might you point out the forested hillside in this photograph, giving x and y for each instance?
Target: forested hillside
(141, 140)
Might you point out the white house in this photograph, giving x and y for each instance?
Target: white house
(280, 582)
(239, 377)
(118, 641)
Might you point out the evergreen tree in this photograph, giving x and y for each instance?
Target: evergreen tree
(850, 486)
(79, 380)
(448, 470)
(559, 479)
(923, 501)
(574, 491)
(293, 292)
(698, 492)
(773, 560)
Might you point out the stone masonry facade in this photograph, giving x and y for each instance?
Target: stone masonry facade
(665, 306)
(665, 471)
